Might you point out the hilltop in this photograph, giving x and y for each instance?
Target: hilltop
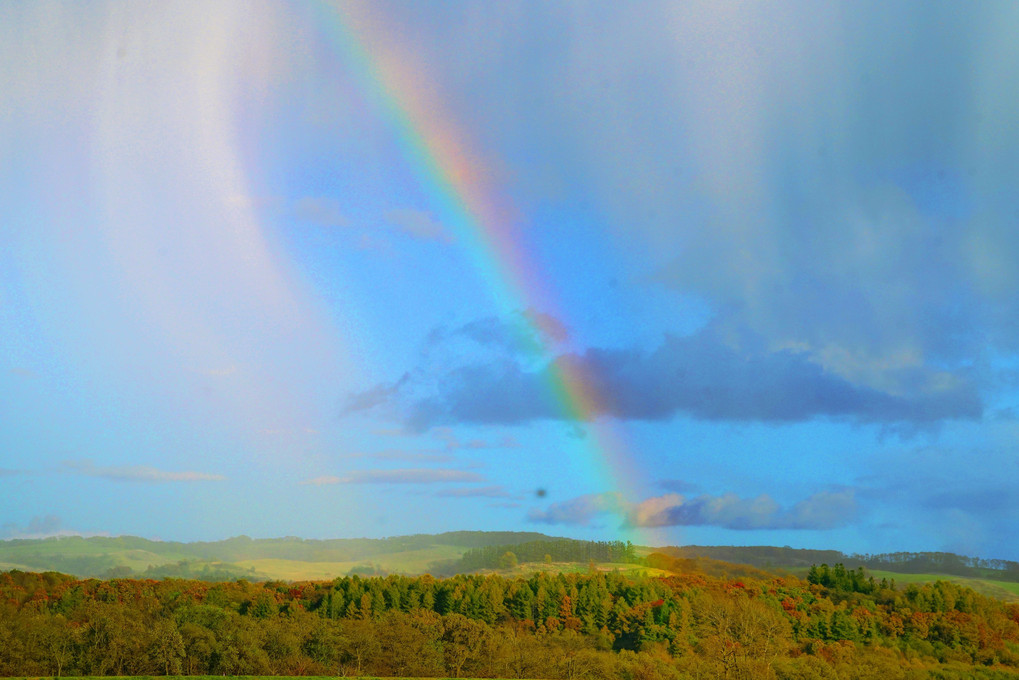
(296, 559)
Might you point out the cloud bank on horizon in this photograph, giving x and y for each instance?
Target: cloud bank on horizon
(821, 511)
(777, 242)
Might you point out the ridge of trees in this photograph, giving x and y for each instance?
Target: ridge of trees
(551, 550)
(595, 625)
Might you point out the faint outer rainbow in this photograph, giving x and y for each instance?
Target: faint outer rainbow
(454, 177)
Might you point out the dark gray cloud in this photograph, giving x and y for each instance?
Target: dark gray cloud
(580, 510)
(975, 481)
(521, 334)
(702, 376)
(369, 399)
(962, 496)
(823, 510)
(838, 184)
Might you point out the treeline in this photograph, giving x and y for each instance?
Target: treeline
(594, 625)
(941, 563)
(548, 550)
(770, 557)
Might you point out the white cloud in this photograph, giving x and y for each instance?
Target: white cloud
(138, 473)
(405, 476)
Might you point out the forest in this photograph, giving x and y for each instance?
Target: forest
(600, 624)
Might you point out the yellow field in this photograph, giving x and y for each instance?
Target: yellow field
(407, 562)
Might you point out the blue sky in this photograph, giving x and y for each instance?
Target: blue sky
(777, 243)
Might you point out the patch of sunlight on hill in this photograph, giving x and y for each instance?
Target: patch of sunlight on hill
(296, 570)
(407, 562)
(528, 568)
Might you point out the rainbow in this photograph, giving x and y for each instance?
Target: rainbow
(453, 175)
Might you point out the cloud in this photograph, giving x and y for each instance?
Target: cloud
(419, 224)
(823, 510)
(410, 456)
(677, 485)
(523, 334)
(322, 481)
(550, 327)
(48, 526)
(706, 376)
(453, 443)
(975, 481)
(321, 210)
(580, 510)
(137, 473)
(37, 527)
(407, 476)
(494, 491)
(369, 399)
(821, 181)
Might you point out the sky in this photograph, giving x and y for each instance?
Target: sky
(677, 273)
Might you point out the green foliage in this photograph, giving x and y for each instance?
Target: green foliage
(576, 625)
(508, 560)
(548, 550)
(842, 579)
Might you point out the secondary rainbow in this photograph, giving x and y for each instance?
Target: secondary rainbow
(455, 179)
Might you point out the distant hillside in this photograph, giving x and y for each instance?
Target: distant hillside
(254, 559)
(297, 559)
(795, 559)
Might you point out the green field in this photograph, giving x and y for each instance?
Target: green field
(1007, 591)
(1001, 590)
